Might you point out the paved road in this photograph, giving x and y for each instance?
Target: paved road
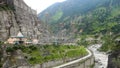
(75, 61)
(101, 58)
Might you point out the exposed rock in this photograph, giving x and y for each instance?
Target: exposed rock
(16, 16)
(114, 60)
(114, 57)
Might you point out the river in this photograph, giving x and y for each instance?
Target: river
(101, 58)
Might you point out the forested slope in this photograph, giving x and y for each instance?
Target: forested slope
(86, 17)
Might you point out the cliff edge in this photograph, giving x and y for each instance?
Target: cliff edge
(16, 16)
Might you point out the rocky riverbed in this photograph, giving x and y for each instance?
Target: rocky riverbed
(101, 58)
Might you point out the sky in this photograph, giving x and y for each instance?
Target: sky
(40, 5)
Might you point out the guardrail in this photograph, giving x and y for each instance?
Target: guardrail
(77, 62)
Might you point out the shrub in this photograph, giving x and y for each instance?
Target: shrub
(32, 59)
(10, 49)
(0, 65)
(25, 57)
(33, 47)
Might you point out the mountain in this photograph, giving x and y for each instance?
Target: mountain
(16, 16)
(88, 17)
(83, 17)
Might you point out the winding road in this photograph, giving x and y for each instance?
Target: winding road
(101, 58)
(75, 61)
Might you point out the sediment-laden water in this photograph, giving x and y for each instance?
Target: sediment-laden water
(101, 58)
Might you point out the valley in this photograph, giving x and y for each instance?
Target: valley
(71, 34)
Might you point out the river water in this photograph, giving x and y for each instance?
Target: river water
(101, 58)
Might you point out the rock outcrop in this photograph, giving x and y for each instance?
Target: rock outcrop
(16, 16)
(114, 60)
(114, 57)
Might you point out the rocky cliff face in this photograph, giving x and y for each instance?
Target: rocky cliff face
(114, 57)
(16, 16)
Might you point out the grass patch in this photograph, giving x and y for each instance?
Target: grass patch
(6, 7)
(41, 54)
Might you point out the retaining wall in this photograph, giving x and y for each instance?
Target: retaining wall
(87, 63)
(84, 62)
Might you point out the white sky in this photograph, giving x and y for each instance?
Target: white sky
(40, 5)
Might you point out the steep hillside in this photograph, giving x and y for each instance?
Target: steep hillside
(86, 17)
(16, 16)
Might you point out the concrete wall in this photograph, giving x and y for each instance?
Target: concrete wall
(76, 62)
(82, 64)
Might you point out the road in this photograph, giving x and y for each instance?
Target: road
(101, 58)
(75, 61)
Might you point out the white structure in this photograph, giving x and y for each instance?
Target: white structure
(20, 35)
(17, 39)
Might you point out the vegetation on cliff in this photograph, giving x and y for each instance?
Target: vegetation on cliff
(96, 17)
(86, 17)
(42, 54)
(5, 7)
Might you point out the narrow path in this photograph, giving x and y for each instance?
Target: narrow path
(75, 61)
(101, 58)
